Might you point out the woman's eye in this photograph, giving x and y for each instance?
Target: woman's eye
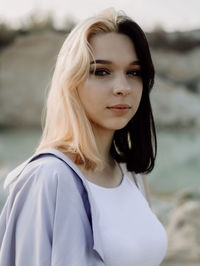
(134, 73)
(100, 72)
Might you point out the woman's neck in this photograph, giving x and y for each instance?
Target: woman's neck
(104, 140)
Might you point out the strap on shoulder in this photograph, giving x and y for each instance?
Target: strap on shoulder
(146, 189)
(141, 182)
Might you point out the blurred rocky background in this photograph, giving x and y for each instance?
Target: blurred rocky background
(27, 59)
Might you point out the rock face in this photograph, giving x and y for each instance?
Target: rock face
(178, 67)
(25, 73)
(173, 105)
(176, 94)
(184, 231)
(27, 66)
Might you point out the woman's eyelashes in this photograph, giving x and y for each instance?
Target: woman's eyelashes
(102, 72)
(134, 73)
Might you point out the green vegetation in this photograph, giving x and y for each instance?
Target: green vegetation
(34, 23)
(176, 41)
(7, 35)
(158, 38)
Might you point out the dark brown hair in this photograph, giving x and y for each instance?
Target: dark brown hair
(136, 144)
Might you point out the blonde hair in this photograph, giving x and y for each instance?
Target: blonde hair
(67, 127)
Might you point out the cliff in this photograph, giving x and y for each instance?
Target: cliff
(27, 65)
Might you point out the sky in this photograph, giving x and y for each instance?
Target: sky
(172, 15)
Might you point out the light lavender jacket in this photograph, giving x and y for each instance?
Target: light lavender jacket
(49, 218)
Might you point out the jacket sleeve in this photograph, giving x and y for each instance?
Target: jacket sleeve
(27, 220)
(44, 222)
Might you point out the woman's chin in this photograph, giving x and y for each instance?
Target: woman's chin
(111, 125)
(117, 126)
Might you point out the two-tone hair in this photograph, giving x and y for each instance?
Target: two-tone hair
(67, 127)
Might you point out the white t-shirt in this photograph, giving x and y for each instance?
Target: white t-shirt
(131, 233)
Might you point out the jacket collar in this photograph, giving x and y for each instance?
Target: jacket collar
(12, 177)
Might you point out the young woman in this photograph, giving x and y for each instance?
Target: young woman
(80, 200)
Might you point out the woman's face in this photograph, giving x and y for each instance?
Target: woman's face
(112, 93)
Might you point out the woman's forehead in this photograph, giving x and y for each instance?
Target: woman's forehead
(113, 47)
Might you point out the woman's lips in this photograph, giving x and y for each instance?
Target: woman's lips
(120, 108)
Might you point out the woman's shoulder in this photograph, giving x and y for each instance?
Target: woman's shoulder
(46, 181)
(45, 170)
(49, 165)
(140, 180)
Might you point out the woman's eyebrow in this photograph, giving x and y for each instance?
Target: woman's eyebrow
(108, 62)
(137, 62)
(100, 61)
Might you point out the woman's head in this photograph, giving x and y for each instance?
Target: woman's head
(112, 92)
(67, 126)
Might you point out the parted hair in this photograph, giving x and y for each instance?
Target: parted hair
(66, 126)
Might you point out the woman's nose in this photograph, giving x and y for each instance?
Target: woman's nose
(121, 86)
